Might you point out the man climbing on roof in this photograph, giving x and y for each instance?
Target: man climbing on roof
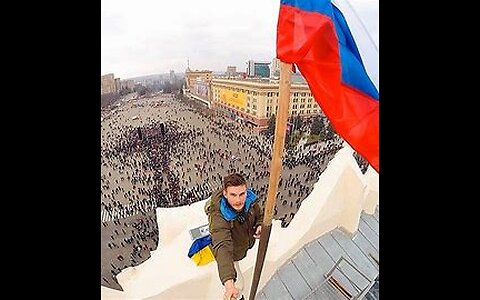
(235, 218)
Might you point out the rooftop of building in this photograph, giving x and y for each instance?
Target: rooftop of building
(296, 80)
(313, 272)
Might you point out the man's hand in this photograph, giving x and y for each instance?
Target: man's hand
(231, 292)
(258, 232)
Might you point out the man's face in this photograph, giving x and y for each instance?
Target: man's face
(236, 196)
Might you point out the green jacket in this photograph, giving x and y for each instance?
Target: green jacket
(231, 239)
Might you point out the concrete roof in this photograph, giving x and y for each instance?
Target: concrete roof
(304, 275)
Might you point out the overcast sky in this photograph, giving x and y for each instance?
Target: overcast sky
(143, 37)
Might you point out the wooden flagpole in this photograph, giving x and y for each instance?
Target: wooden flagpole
(275, 170)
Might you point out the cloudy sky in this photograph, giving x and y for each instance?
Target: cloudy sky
(142, 37)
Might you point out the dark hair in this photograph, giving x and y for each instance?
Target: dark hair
(234, 179)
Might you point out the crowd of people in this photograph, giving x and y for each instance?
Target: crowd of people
(361, 161)
(170, 152)
(127, 242)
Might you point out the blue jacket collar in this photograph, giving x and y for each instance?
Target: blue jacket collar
(229, 213)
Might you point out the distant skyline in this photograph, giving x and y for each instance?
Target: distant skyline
(144, 37)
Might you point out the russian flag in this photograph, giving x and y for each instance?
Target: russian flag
(314, 35)
(200, 251)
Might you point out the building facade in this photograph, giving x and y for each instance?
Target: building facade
(258, 69)
(201, 89)
(108, 84)
(275, 68)
(127, 84)
(255, 101)
(192, 76)
(118, 85)
(231, 71)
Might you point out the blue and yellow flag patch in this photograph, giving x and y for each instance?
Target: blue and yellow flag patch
(200, 251)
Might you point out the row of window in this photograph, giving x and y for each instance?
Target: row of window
(248, 92)
(295, 94)
(302, 106)
(269, 108)
(253, 112)
(294, 112)
(268, 114)
(269, 94)
(295, 100)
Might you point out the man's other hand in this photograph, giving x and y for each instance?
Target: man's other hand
(231, 292)
(258, 232)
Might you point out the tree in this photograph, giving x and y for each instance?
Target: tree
(109, 99)
(124, 92)
(141, 90)
(330, 132)
(271, 125)
(297, 122)
(167, 87)
(317, 126)
(178, 85)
